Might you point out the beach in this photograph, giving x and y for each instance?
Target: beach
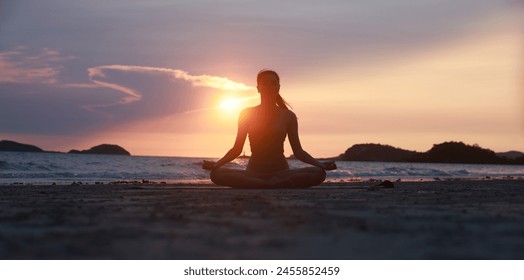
(457, 219)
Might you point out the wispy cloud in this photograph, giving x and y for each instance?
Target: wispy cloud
(22, 65)
(222, 83)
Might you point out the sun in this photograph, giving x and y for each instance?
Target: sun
(229, 107)
(230, 104)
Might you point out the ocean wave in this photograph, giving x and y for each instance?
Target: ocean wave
(4, 165)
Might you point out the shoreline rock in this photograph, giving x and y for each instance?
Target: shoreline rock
(12, 146)
(104, 149)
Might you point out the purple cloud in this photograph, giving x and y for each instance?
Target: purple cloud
(20, 65)
(33, 100)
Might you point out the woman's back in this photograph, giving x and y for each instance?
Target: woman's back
(267, 130)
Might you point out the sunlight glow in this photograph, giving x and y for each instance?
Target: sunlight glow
(228, 109)
(230, 104)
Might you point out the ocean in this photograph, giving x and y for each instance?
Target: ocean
(63, 169)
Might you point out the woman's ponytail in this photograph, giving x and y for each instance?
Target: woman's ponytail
(282, 103)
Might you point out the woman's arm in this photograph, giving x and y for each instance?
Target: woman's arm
(298, 152)
(234, 152)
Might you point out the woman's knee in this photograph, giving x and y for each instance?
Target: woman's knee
(216, 176)
(227, 177)
(320, 173)
(313, 175)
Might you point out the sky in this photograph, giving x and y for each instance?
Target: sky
(169, 78)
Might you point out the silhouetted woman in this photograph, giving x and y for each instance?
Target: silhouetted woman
(267, 126)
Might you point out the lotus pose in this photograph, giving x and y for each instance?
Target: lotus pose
(267, 125)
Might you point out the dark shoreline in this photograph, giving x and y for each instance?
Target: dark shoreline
(208, 183)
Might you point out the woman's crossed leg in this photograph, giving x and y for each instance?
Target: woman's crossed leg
(291, 178)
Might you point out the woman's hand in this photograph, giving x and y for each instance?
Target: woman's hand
(329, 165)
(208, 165)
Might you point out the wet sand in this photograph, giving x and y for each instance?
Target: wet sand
(414, 220)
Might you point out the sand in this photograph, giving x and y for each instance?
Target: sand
(417, 220)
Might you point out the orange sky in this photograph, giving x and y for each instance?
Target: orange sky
(465, 91)
(183, 99)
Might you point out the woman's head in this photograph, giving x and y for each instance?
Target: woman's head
(268, 82)
(266, 74)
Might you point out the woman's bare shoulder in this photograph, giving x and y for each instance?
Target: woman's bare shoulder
(290, 115)
(247, 114)
(248, 110)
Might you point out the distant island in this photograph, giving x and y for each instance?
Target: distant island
(377, 152)
(447, 152)
(104, 149)
(12, 146)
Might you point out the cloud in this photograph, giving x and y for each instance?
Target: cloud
(33, 98)
(295, 38)
(21, 65)
(221, 83)
(200, 80)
